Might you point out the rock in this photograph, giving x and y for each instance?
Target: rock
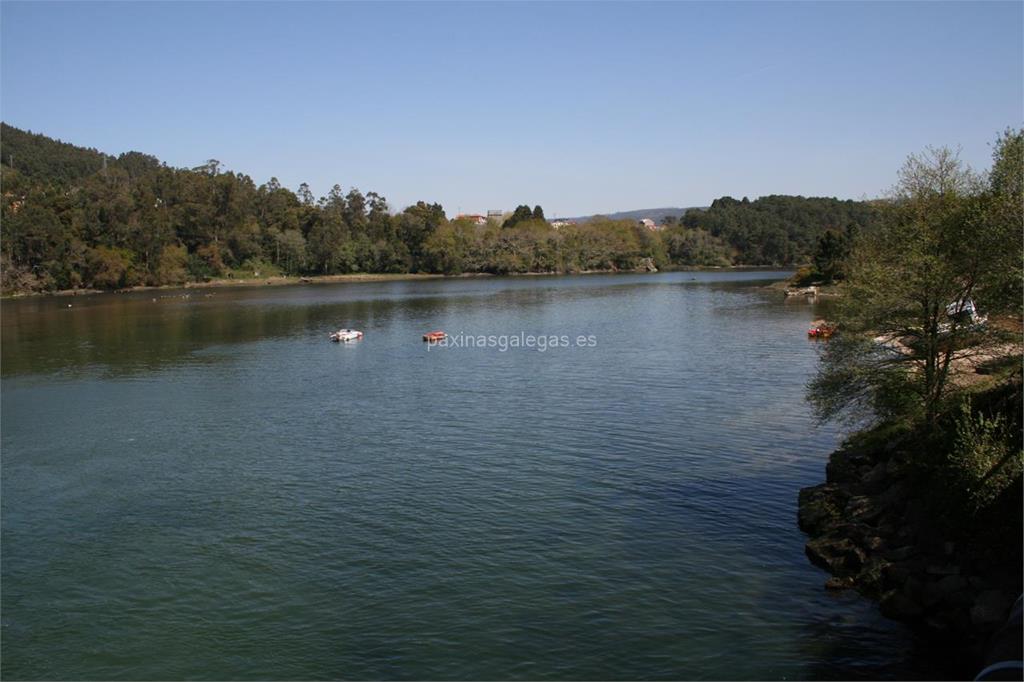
(901, 553)
(863, 508)
(817, 510)
(871, 580)
(954, 620)
(836, 584)
(991, 607)
(894, 497)
(896, 574)
(946, 569)
(875, 544)
(841, 471)
(898, 606)
(942, 590)
(858, 533)
(978, 583)
(876, 478)
(950, 584)
(913, 589)
(837, 556)
(886, 529)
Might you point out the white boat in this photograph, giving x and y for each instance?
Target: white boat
(346, 335)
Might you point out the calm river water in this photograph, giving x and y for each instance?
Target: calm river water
(207, 487)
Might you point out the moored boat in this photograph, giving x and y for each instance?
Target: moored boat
(346, 335)
(821, 331)
(434, 337)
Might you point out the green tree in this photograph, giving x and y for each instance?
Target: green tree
(909, 281)
(833, 248)
(522, 214)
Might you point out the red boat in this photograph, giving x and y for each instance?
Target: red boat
(821, 331)
(434, 337)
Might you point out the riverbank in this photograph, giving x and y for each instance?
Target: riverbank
(882, 525)
(787, 287)
(288, 280)
(248, 282)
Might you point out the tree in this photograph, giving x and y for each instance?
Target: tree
(903, 317)
(522, 214)
(833, 248)
(538, 213)
(305, 195)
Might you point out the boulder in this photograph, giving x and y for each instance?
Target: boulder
(817, 510)
(943, 589)
(894, 604)
(875, 543)
(991, 607)
(942, 569)
(838, 556)
(901, 553)
(876, 479)
(863, 509)
(836, 584)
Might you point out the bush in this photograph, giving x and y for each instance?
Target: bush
(805, 277)
(983, 462)
(172, 267)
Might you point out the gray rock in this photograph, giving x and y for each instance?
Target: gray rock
(863, 509)
(901, 553)
(818, 510)
(913, 589)
(991, 607)
(836, 584)
(946, 569)
(894, 604)
(876, 478)
(838, 556)
(943, 590)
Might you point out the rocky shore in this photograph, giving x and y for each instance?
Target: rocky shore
(874, 534)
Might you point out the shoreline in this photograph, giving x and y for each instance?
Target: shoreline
(870, 527)
(292, 280)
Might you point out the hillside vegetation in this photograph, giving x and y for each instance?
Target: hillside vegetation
(75, 217)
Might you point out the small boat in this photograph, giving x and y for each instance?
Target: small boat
(346, 335)
(434, 337)
(821, 331)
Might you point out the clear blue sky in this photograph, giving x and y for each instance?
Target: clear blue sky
(579, 107)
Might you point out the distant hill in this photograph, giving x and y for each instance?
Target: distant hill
(655, 214)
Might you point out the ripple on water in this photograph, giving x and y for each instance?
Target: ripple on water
(211, 490)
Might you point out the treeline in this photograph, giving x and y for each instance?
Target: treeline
(74, 217)
(779, 229)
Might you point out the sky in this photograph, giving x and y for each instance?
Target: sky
(579, 107)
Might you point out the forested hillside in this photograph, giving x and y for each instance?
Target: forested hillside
(779, 229)
(74, 217)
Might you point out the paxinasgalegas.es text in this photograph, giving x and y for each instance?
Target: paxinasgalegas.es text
(503, 342)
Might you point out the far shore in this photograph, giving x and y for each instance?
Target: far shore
(290, 280)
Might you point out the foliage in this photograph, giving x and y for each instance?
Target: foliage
(983, 461)
(779, 230)
(945, 239)
(74, 217)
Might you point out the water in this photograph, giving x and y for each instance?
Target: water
(206, 487)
